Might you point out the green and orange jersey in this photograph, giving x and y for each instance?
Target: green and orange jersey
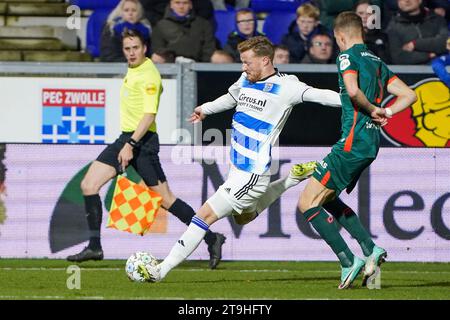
(360, 135)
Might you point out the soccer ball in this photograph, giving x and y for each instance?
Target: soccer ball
(138, 264)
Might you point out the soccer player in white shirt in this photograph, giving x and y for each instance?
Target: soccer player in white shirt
(263, 98)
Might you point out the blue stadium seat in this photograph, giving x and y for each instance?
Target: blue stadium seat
(95, 4)
(276, 5)
(225, 21)
(277, 24)
(94, 28)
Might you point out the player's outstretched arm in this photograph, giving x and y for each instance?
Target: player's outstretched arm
(222, 103)
(405, 96)
(322, 96)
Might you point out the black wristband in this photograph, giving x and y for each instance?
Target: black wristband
(132, 142)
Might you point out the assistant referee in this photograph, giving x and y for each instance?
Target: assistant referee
(138, 146)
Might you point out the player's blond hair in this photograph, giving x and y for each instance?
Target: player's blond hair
(261, 46)
(349, 22)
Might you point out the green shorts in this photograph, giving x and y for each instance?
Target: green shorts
(340, 170)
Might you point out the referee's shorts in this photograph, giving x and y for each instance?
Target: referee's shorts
(145, 157)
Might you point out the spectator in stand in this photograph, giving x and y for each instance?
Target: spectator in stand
(185, 33)
(375, 39)
(329, 9)
(154, 9)
(440, 7)
(128, 14)
(221, 56)
(245, 28)
(281, 55)
(439, 66)
(301, 31)
(320, 49)
(416, 34)
(163, 56)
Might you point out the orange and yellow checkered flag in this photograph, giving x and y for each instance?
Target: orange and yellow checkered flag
(134, 207)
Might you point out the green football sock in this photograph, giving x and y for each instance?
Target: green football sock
(325, 226)
(350, 221)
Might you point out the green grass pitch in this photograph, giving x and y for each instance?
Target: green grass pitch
(47, 279)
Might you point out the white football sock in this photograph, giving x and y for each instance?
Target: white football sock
(274, 191)
(184, 247)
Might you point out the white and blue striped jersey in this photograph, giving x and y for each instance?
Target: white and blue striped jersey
(262, 109)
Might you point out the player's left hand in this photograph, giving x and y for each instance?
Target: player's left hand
(125, 156)
(197, 115)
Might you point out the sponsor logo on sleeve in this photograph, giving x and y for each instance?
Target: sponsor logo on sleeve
(345, 63)
(151, 89)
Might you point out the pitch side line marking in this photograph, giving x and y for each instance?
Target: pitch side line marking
(207, 270)
(146, 298)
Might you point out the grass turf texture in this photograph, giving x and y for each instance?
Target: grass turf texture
(46, 279)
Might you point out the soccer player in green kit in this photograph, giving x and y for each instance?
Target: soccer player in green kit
(363, 77)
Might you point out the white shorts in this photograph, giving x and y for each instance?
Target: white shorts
(239, 193)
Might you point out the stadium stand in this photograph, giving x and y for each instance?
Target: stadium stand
(94, 29)
(277, 24)
(274, 18)
(93, 5)
(37, 31)
(225, 24)
(276, 5)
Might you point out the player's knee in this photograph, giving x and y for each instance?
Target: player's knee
(168, 201)
(209, 218)
(165, 203)
(304, 204)
(88, 186)
(207, 214)
(168, 198)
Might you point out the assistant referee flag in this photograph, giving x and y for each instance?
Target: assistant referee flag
(134, 207)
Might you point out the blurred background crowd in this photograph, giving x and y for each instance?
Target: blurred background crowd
(409, 32)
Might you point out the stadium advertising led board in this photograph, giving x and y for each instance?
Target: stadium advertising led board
(72, 110)
(423, 124)
(404, 201)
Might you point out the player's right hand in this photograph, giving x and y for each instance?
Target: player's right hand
(379, 116)
(197, 115)
(125, 155)
(381, 121)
